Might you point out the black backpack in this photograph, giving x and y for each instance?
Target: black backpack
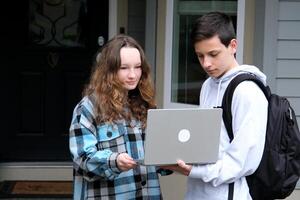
(279, 168)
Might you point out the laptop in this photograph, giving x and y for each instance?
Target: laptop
(191, 134)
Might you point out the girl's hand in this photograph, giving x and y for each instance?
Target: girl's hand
(125, 162)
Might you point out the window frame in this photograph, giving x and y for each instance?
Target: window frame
(167, 83)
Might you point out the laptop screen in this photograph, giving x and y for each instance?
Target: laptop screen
(191, 135)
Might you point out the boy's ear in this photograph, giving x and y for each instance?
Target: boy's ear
(233, 45)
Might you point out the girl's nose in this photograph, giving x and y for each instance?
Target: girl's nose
(132, 73)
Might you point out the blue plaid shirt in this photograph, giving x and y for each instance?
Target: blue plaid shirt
(94, 148)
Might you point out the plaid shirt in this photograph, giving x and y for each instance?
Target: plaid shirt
(94, 148)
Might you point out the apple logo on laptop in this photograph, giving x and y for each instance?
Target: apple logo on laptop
(184, 135)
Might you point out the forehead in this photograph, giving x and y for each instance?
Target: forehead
(211, 44)
(129, 53)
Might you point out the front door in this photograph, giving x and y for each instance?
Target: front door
(48, 48)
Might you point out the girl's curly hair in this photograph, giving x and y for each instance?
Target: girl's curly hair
(113, 102)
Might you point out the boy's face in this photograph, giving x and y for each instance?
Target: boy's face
(215, 58)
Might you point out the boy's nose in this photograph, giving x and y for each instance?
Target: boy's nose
(206, 62)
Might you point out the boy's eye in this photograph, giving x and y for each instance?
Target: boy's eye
(213, 54)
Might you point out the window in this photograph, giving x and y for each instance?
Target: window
(187, 75)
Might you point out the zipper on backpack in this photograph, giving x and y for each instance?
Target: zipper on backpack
(291, 115)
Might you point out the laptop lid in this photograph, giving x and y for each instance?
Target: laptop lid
(191, 135)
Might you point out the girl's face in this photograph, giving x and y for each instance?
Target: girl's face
(130, 71)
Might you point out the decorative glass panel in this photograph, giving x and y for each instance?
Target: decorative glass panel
(57, 23)
(187, 73)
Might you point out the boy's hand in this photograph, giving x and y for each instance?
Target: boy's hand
(181, 167)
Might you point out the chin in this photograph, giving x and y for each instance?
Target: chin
(130, 87)
(217, 76)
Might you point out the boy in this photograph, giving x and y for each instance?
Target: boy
(215, 45)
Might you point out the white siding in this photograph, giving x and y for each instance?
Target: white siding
(288, 49)
(288, 53)
(288, 87)
(288, 68)
(289, 29)
(295, 103)
(289, 10)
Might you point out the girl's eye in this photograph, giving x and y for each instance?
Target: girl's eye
(123, 67)
(138, 67)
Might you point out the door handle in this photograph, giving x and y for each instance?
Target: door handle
(101, 41)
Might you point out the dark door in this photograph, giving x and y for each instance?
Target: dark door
(48, 47)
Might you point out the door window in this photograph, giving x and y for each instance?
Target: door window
(57, 23)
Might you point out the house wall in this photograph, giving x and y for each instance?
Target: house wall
(275, 50)
(280, 55)
(288, 53)
(259, 46)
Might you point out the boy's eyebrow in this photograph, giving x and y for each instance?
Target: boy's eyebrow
(212, 51)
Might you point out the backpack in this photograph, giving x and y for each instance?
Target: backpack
(279, 168)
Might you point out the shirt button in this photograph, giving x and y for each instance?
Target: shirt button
(109, 134)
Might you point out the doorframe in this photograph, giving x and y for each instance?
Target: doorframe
(112, 18)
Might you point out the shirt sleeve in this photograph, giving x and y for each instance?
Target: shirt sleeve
(242, 156)
(92, 163)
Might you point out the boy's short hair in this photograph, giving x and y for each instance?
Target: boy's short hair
(211, 24)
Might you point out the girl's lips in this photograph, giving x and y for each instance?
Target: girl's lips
(131, 83)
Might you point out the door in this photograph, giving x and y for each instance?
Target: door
(48, 49)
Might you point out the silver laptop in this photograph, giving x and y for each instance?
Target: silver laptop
(191, 135)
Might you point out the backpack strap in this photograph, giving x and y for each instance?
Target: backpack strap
(226, 106)
(227, 98)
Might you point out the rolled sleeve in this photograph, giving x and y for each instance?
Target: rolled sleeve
(113, 163)
(92, 163)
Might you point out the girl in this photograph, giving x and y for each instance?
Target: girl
(107, 129)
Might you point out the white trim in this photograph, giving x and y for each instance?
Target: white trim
(168, 60)
(150, 37)
(270, 41)
(112, 18)
(168, 54)
(36, 171)
(240, 31)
